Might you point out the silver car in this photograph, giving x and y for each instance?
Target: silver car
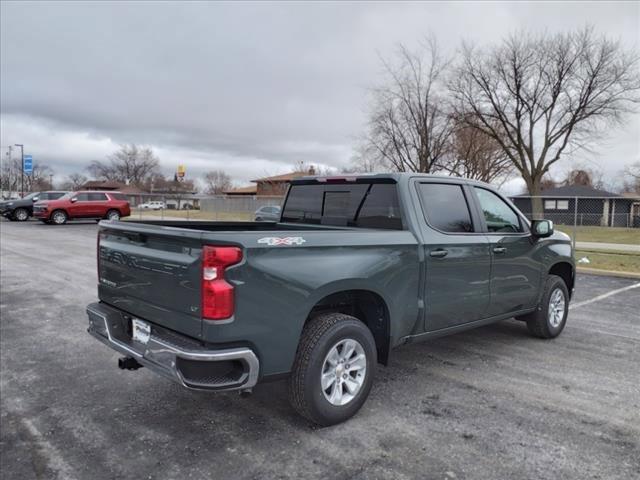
(268, 213)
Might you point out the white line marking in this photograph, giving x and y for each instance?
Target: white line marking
(52, 455)
(604, 295)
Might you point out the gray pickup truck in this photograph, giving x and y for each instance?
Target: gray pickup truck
(356, 266)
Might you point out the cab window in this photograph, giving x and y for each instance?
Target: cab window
(498, 215)
(97, 197)
(82, 197)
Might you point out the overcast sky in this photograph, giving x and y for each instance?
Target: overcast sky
(250, 88)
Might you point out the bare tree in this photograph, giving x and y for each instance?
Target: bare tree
(409, 127)
(130, 165)
(632, 177)
(474, 154)
(542, 96)
(39, 178)
(10, 174)
(217, 182)
(74, 181)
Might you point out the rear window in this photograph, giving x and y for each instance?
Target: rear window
(97, 197)
(445, 207)
(365, 205)
(121, 196)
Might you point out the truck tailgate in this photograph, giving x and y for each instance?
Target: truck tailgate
(152, 273)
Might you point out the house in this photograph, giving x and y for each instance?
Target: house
(584, 205)
(251, 190)
(109, 186)
(270, 186)
(277, 185)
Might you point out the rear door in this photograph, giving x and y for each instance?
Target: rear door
(515, 269)
(99, 204)
(458, 261)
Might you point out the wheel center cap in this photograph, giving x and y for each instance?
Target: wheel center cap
(339, 370)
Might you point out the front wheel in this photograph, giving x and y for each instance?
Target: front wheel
(21, 214)
(59, 217)
(550, 317)
(333, 369)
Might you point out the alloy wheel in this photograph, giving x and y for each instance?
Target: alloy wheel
(343, 372)
(556, 308)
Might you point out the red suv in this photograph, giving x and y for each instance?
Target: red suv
(109, 205)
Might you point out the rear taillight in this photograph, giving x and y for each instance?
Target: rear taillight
(217, 295)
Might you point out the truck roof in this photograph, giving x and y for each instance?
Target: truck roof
(391, 176)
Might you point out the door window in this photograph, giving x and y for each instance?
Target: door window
(445, 207)
(498, 215)
(82, 197)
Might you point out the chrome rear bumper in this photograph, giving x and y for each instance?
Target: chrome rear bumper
(175, 356)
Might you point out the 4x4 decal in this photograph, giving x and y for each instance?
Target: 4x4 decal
(276, 241)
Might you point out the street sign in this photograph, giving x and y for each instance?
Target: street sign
(28, 164)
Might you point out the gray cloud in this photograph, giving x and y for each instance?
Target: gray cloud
(252, 87)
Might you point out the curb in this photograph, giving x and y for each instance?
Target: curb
(608, 273)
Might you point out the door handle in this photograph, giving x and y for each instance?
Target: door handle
(499, 249)
(438, 253)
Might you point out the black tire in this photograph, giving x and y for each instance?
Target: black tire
(539, 322)
(319, 337)
(58, 217)
(21, 214)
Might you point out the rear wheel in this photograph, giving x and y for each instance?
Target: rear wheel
(59, 217)
(21, 214)
(113, 215)
(333, 369)
(550, 317)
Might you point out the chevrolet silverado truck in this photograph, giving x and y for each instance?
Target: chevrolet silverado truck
(355, 267)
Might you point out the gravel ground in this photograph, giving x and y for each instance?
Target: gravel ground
(490, 403)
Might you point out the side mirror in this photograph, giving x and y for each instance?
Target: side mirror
(74, 200)
(35, 199)
(542, 228)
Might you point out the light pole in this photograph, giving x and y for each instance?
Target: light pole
(21, 171)
(51, 181)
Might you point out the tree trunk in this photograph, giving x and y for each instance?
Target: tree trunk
(534, 187)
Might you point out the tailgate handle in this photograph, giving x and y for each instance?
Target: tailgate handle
(439, 253)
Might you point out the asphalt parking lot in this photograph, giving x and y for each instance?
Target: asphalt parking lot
(491, 403)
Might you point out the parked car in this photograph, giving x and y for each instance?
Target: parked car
(22, 208)
(268, 213)
(76, 205)
(355, 267)
(155, 205)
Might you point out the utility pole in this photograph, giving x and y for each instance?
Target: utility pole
(7, 181)
(51, 181)
(22, 170)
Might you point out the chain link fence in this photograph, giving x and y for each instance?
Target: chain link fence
(589, 219)
(150, 206)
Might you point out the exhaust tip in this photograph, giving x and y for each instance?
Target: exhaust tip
(128, 363)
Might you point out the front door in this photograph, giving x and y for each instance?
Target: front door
(516, 270)
(81, 207)
(458, 260)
